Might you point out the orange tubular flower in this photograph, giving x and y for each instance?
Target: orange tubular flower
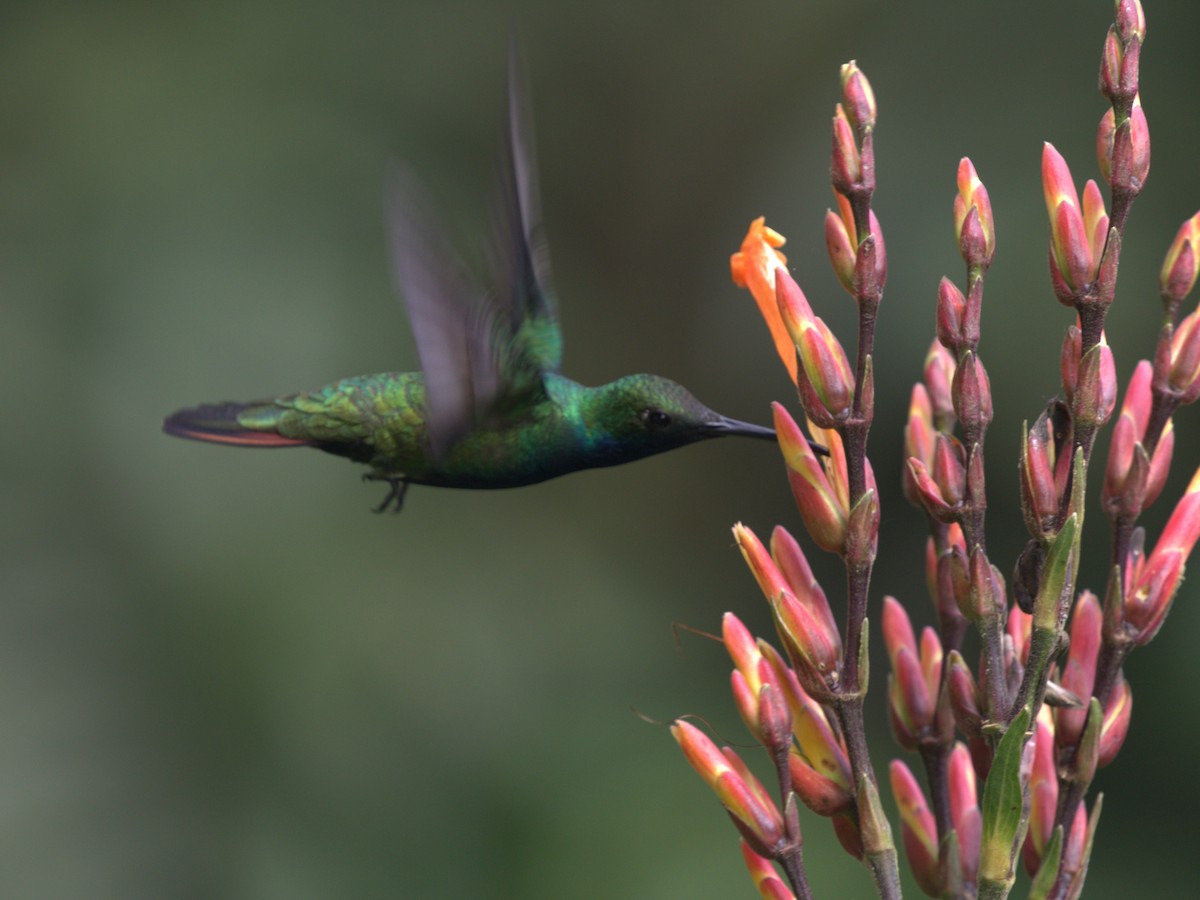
(753, 267)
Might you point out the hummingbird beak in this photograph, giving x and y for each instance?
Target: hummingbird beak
(723, 426)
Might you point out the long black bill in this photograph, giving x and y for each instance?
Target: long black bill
(725, 425)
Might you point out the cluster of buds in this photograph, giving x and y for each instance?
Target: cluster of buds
(1135, 613)
(941, 864)
(1123, 139)
(1038, 722)
(802, 615)
(821, 757)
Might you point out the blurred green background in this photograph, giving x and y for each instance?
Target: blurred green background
(221, 676)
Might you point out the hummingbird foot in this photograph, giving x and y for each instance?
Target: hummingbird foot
(395, 496)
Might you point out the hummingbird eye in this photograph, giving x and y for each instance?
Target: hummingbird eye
(655, 419)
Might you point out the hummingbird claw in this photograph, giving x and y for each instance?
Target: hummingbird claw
(395, 496)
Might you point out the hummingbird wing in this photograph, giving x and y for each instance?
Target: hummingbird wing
(521, 267)
(483, 349)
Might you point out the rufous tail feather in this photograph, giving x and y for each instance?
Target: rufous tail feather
(217, 423)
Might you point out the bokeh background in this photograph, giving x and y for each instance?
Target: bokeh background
(222, 676)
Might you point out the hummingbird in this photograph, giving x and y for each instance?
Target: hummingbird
(490, 407)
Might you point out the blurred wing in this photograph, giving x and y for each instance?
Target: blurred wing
(447, 310)
(483, 350)
(532, 342)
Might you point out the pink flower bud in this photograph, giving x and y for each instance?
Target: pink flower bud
(795, 568)
(1093, 395)
(951, 314)
(930, 494)
(1123, 154)
(950, 468)
(1121, 496)
(972, 393)
(740, 793)
(916, 677)
(1155, 580)
(1184, 375)
(1182, 262)
(858, 99)
(1077, 234)
(1110, 65)
(823, 362)
(1079, 673)
(939, 376)
(1116, 722)
(1043, 796)
(964, 696)
(823, 507)
(848, 256)
(846, 168)
(918, 829)
(766, 879)
(985, 600)
(978, 248)
(919, 437)
(1041, 489)
(841, 247)
(964, 810)
(1130, 20)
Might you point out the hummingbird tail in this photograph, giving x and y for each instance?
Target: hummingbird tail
(218, 423)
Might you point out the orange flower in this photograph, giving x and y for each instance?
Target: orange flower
(753, 267)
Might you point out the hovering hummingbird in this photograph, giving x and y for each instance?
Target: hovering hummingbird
(489, 408)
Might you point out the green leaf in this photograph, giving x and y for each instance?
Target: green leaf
(1048, 870)
(1055, 574)
(1001, 810)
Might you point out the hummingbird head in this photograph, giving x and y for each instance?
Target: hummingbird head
(646, 414)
